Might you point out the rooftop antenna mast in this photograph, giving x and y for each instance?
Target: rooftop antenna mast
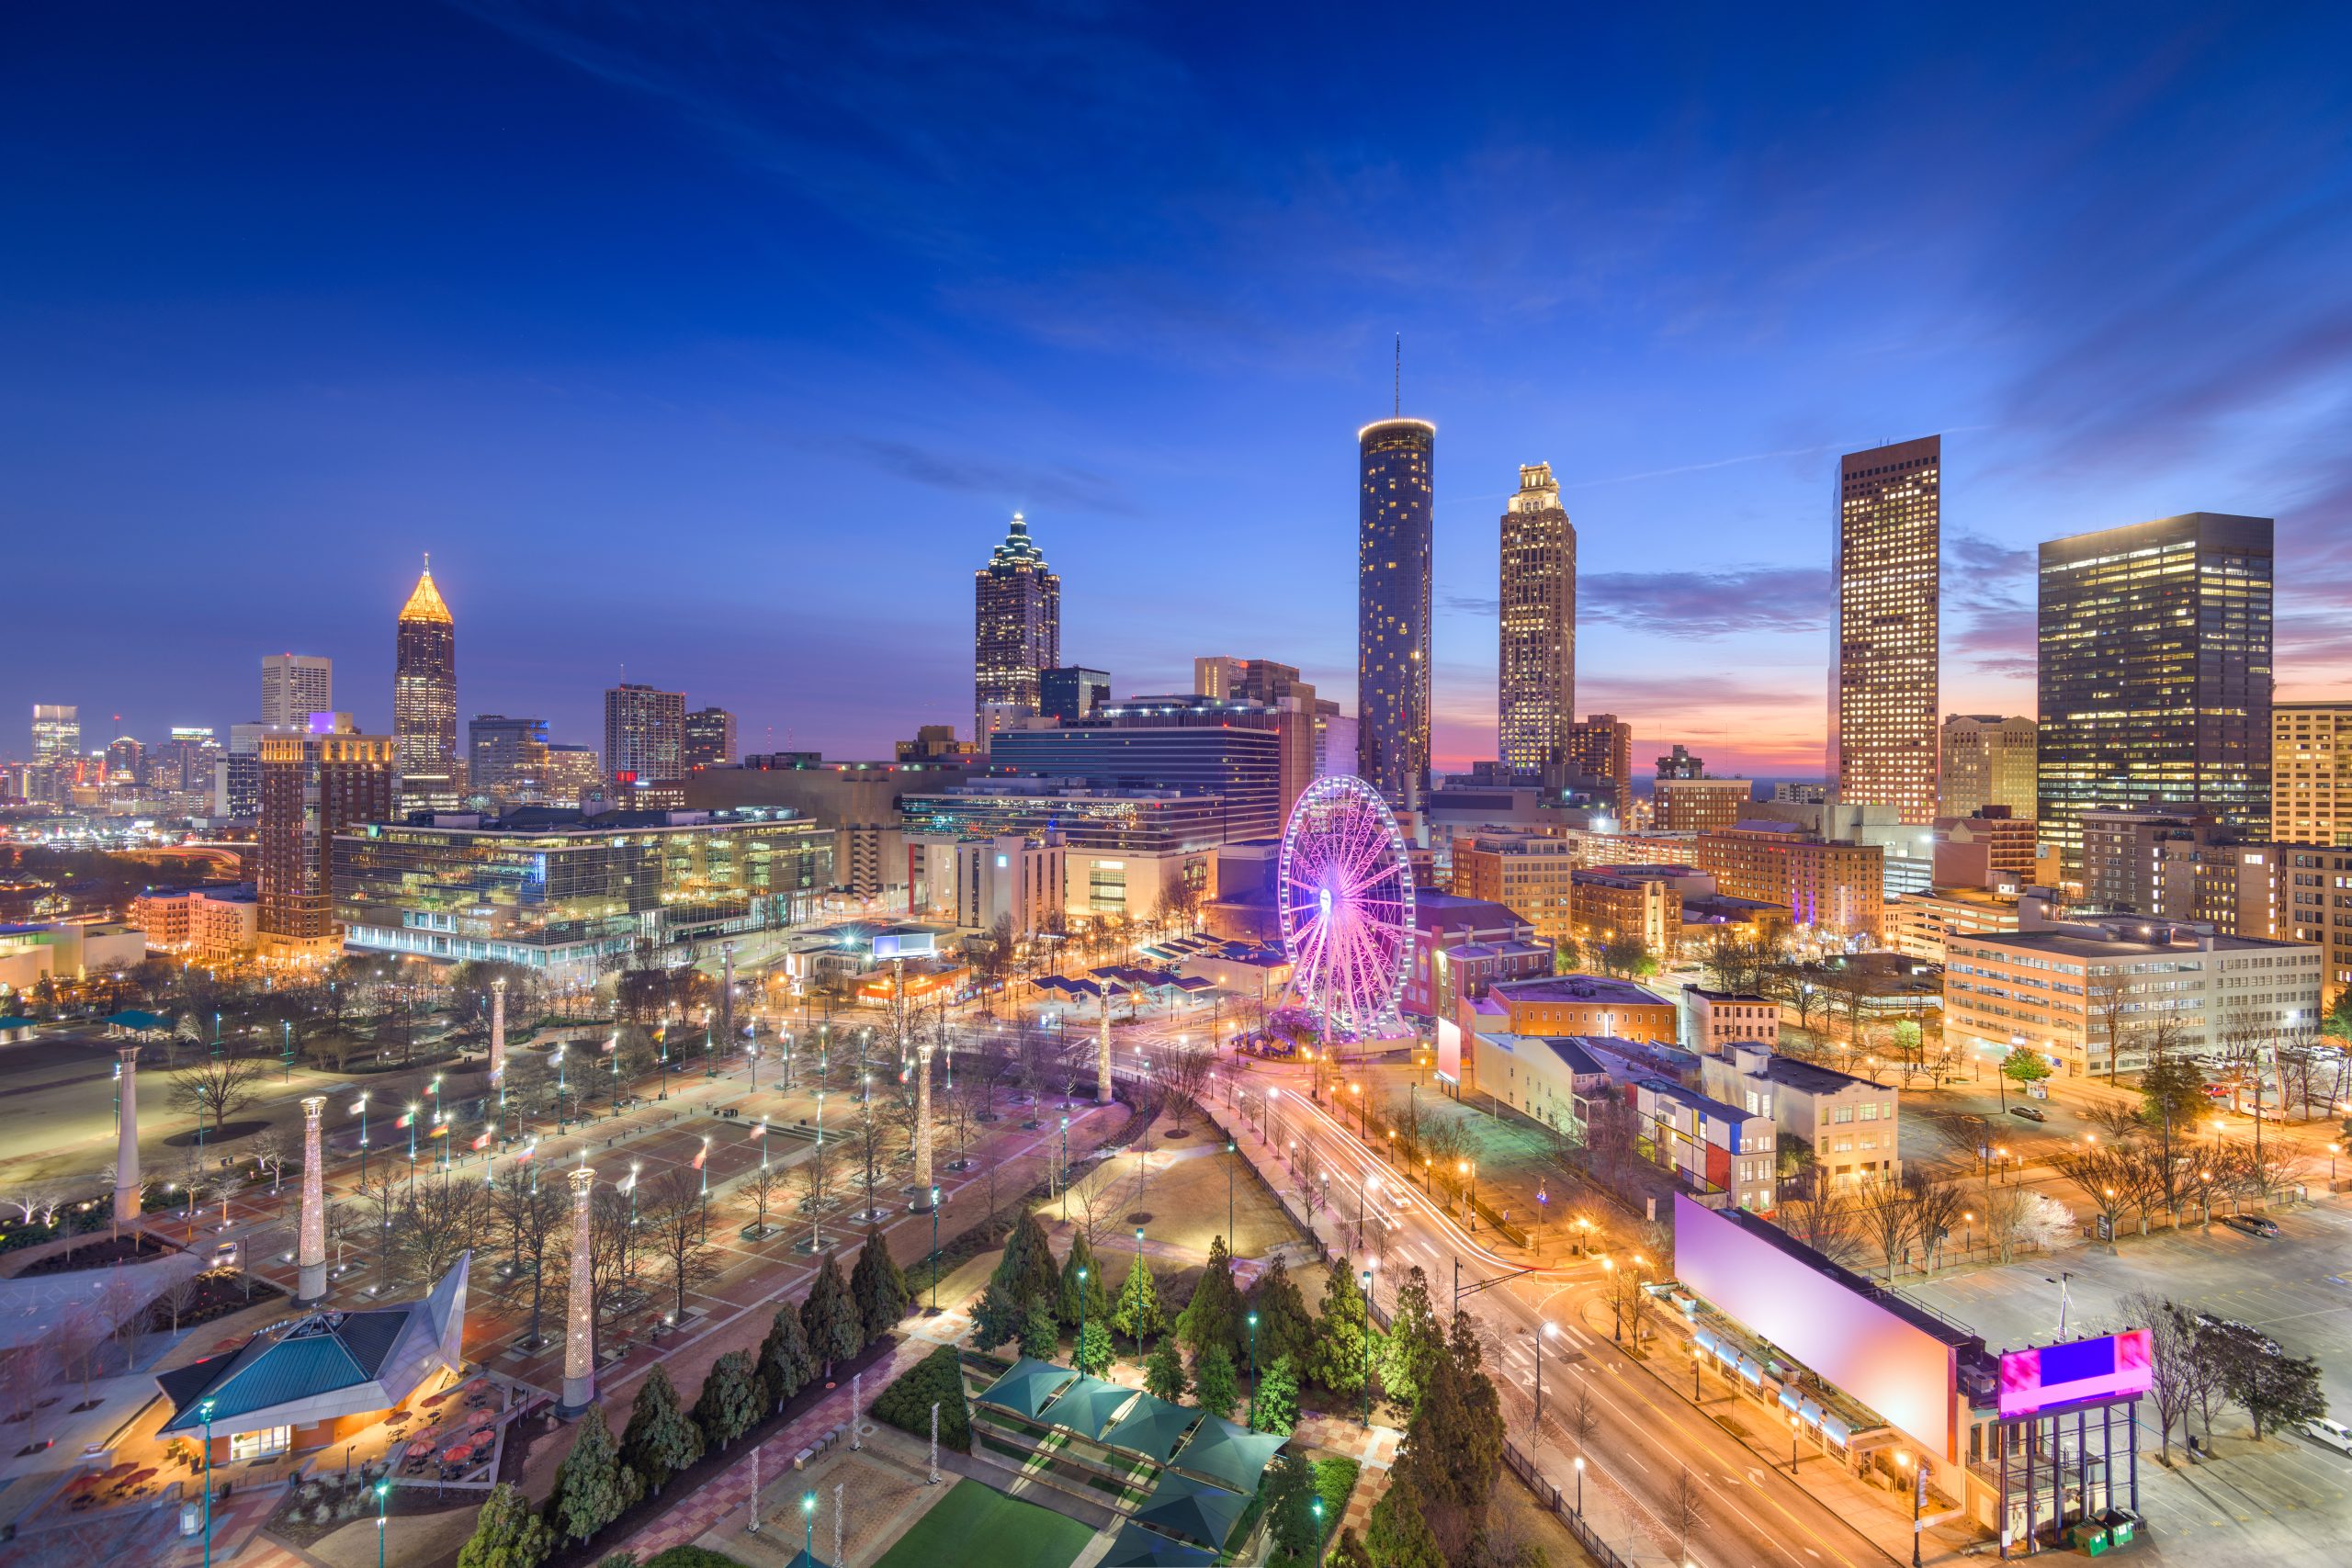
(1396, 408)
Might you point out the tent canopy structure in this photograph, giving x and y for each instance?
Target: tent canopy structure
(1136, 1547)
(1027, 1388)
(1089, 1406)
(1151, 1427)
(1183, 1506)
(325, 1365)
(132, 1017)
(1228, 1454)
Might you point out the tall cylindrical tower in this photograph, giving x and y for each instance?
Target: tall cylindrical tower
(1396, 467)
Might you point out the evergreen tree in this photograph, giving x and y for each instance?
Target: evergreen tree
(1397, 1535)
(1415, 1343)
(1041, 1333)
(508, 1533)
(1284, 1328)
(1335, 1358)
(730, 1402)
(1277, 1398)
(1215, 1387)
(1214, 1314)
(1027, 1271)
(1094, 1352)
(591, 1485)
(878, 1286)
(659, 1440)
(1453, 1446)
(785, 1363)
(1137, 1315)
(830, 1317)
(1348, 1552)
(1288, 1487)
(1163, 1375)
(1098, 1293)
(996, 1318)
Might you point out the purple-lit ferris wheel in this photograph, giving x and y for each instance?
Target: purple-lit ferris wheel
(1347, 906)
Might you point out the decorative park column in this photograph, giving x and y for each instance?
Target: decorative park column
(727, 990)
(922, 1126)
(580, 1319)
(1102, 1054)
(311, 1238)
(497, 1029)
(126, 1136)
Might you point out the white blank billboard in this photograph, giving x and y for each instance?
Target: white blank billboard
(1895, 1367)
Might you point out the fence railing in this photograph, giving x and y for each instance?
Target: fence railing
(1549, 1496)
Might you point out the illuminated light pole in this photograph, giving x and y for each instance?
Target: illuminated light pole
(413, 1111)
(560, 1086)
(310, 1233)
(383, 1495)
(1918, 1484)
(1078, 1350)
(1579, 1487)
(204, 1412)
(126, 1136)
(1366, 1278)
(1542, 1332)
(1228, 1194)
(808, 1535)
(1795, 1427)
(1617, 1313)
(361, 1106)
(1253, 1372)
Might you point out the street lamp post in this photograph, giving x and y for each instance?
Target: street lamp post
(1918, 1482)
(205, 1412)
(1616, 1312)
(1795, 1427)
(809, 1534)
(1579, 1487)
(362, 1108)
(1365, 1277)
(1253, 1372)
(383, 1496)
(1078, 1350)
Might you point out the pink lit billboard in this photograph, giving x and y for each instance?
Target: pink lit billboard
(1895, 1367)
(2114, 1366)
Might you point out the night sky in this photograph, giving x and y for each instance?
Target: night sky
(718, 342)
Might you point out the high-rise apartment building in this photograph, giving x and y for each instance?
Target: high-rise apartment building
(709, 739)
(1987, 760)
(1701, 805)
(1531, 875)
(1016, 624)
(2311, 773)
(424, 699)
(1883, 713)
(294, 686)
(1601, 746)
(1070, 693)
(1396, 467)
(2154, 650)
(312, 787)
(1536, 690)
(1300, 716)
(1247, 680)
(645, 734)
(1837, 887)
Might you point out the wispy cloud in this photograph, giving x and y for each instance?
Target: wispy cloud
(1076, 488)
(1706, 605)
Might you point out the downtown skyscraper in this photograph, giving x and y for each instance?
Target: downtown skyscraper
(424, 699)
(2153, 673)
(293, 687)
(1396, 468)
(1537, 684)
(1885, 694)
(1016, 625)
(645, 735)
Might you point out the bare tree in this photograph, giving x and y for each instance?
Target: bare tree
(1937, 1203)
(1685, 1510)
(2097, 1172)
(1183, 1077)
(871, 1142)
(2108, 998)
(758, 1193)
(1824, 1220)
(217, 1088)
(177, 1297)
(1581, 1414)
(674, 1209)
(2172, 1357)
(529, 1217)
(440, 1222)
(1884, 1209)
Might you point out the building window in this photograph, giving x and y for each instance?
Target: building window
(262, 1444)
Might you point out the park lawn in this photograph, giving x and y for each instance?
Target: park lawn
(973, 1524)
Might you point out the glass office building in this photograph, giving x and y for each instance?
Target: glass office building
(1126, 821)
(1238, 760)
(2155, 674)
(564, 892)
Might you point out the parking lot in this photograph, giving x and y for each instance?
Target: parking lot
(2289, 1499)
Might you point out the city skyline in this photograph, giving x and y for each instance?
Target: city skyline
(981, 352)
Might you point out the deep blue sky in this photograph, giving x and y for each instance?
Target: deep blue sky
(718, 341)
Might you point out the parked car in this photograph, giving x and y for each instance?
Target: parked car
(2252, 1224)
(225, 1255)
(2335, 1434)
(2030, 1113)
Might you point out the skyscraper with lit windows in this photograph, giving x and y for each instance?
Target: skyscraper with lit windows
(1396, 468)
(1537, 686)
(424, 700)
(1016, 624)
(2153, 673)
(1885, 696)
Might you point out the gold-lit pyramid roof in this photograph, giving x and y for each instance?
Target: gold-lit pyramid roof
(426, 605)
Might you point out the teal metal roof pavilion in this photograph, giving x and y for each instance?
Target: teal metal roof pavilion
(1089, 1406)
(1151, 1427)
(1183, 1506)
(1228, 1454)
(1028, 1389)
(1135, 1547)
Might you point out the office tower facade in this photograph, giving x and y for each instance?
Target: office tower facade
(645, 734)
(294, 686)
(1303, 719)
(1070, 693)
(126, 755)
(709, 739)
(2311, 773)
(1197, 752)
(57, 747)
(1016, 624)
(574, 776)
(1681, 764)
(1987, 759)
(1696, 805)
(1247, 680)
(312, 787)
(1601, 746)
(185, 761)
(1886, 703)
(2154, 648)
(1396, 467)
(424, 699)
(1536, 689)
(506, 757)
